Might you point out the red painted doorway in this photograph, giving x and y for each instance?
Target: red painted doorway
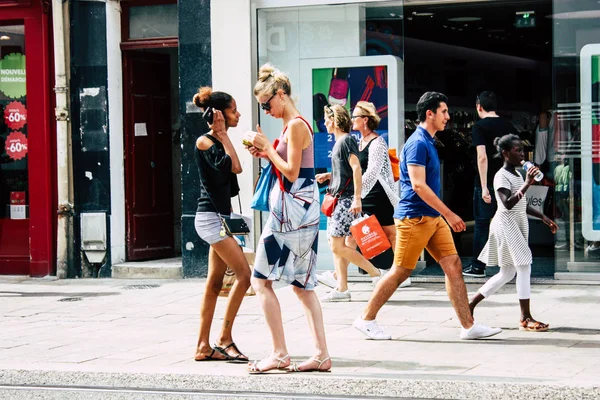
(148, 156)
(27, 211)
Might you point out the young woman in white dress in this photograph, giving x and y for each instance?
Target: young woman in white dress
(507, 245)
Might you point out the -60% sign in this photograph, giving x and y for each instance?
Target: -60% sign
(16, 145)
(15, 115)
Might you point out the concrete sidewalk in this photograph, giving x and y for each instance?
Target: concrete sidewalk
(143, 333)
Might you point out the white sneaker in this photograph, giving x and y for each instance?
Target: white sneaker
(327, 278)
(478, 331)
(371, 329)
(407, 282)
(374, 280)
(336, 296)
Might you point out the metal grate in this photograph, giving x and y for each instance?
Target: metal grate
(139, 287)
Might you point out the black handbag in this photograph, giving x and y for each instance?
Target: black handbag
(230, 226)
(234, 226)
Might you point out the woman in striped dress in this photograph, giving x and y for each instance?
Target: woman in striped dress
(507, 244)
(287, 250)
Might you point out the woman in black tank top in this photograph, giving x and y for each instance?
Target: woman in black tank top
(218, 165)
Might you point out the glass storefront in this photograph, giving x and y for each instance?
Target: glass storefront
(576, 59)
(337, 54)
(460, 49)
(14, 181)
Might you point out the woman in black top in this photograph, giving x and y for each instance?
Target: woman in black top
(345, 182)
(218, 165)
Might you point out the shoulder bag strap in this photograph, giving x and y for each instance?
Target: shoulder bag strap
(344, 188)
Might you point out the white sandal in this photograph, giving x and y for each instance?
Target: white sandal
(294, 366)
(253, 367)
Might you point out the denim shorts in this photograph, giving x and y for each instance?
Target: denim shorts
(209, 228)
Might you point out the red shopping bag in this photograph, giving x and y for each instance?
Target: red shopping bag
(369, 236)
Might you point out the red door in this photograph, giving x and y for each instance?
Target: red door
(148, 151)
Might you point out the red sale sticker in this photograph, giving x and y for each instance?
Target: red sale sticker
(17, 198)
(16, 145)
(15, 115)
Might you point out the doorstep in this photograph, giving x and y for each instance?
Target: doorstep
(167, 268)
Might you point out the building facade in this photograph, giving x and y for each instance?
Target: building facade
(134, 66)
(27, 157)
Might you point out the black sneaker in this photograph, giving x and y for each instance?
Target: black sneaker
(474, 271)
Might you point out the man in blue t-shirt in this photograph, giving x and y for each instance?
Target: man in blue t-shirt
(419, 225)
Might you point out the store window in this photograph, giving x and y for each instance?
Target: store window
(457, 48)
(14, 182)
(576, 26)
(337, 54)
(155, 21)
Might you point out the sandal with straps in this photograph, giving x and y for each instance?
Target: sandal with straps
(254, 369)
(530, 325)
(209, 357)
(295, 368)
(240, 358)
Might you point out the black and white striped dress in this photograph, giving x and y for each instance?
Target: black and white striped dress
(509, 230)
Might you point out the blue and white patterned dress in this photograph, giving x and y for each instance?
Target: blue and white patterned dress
(287, 249)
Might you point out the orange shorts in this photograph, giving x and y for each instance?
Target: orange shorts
(415, 234)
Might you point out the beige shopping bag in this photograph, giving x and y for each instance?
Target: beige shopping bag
(229, 279)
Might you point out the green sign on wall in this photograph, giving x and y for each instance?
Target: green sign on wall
(12, 75)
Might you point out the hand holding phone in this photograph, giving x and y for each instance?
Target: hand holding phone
(208, 115)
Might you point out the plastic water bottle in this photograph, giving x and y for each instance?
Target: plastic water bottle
(528, 164)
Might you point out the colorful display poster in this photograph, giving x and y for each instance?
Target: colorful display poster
(12, 75)
(590, 141)
(346, 81)
(346, 86)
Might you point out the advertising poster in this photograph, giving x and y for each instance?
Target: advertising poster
(590, 141)
(346, 86)
(346, 81)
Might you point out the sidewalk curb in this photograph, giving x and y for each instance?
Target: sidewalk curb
(483, 388)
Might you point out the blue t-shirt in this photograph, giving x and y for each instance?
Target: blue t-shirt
(419, 149)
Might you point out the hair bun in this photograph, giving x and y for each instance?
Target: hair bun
(202, 98)
(496, 141)
(265, 72)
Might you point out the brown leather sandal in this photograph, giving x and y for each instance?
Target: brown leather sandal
(530, 325)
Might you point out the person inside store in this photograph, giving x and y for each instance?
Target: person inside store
(287, 249)
(419, 225)
(345, 183)
(562, 180)
(507, 245)
(378, 187)
(218, 164)
(485, 131)
(543, 152)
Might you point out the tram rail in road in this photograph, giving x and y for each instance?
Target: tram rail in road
(68, 392)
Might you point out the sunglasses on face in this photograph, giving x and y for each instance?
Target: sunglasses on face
(267, 104)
